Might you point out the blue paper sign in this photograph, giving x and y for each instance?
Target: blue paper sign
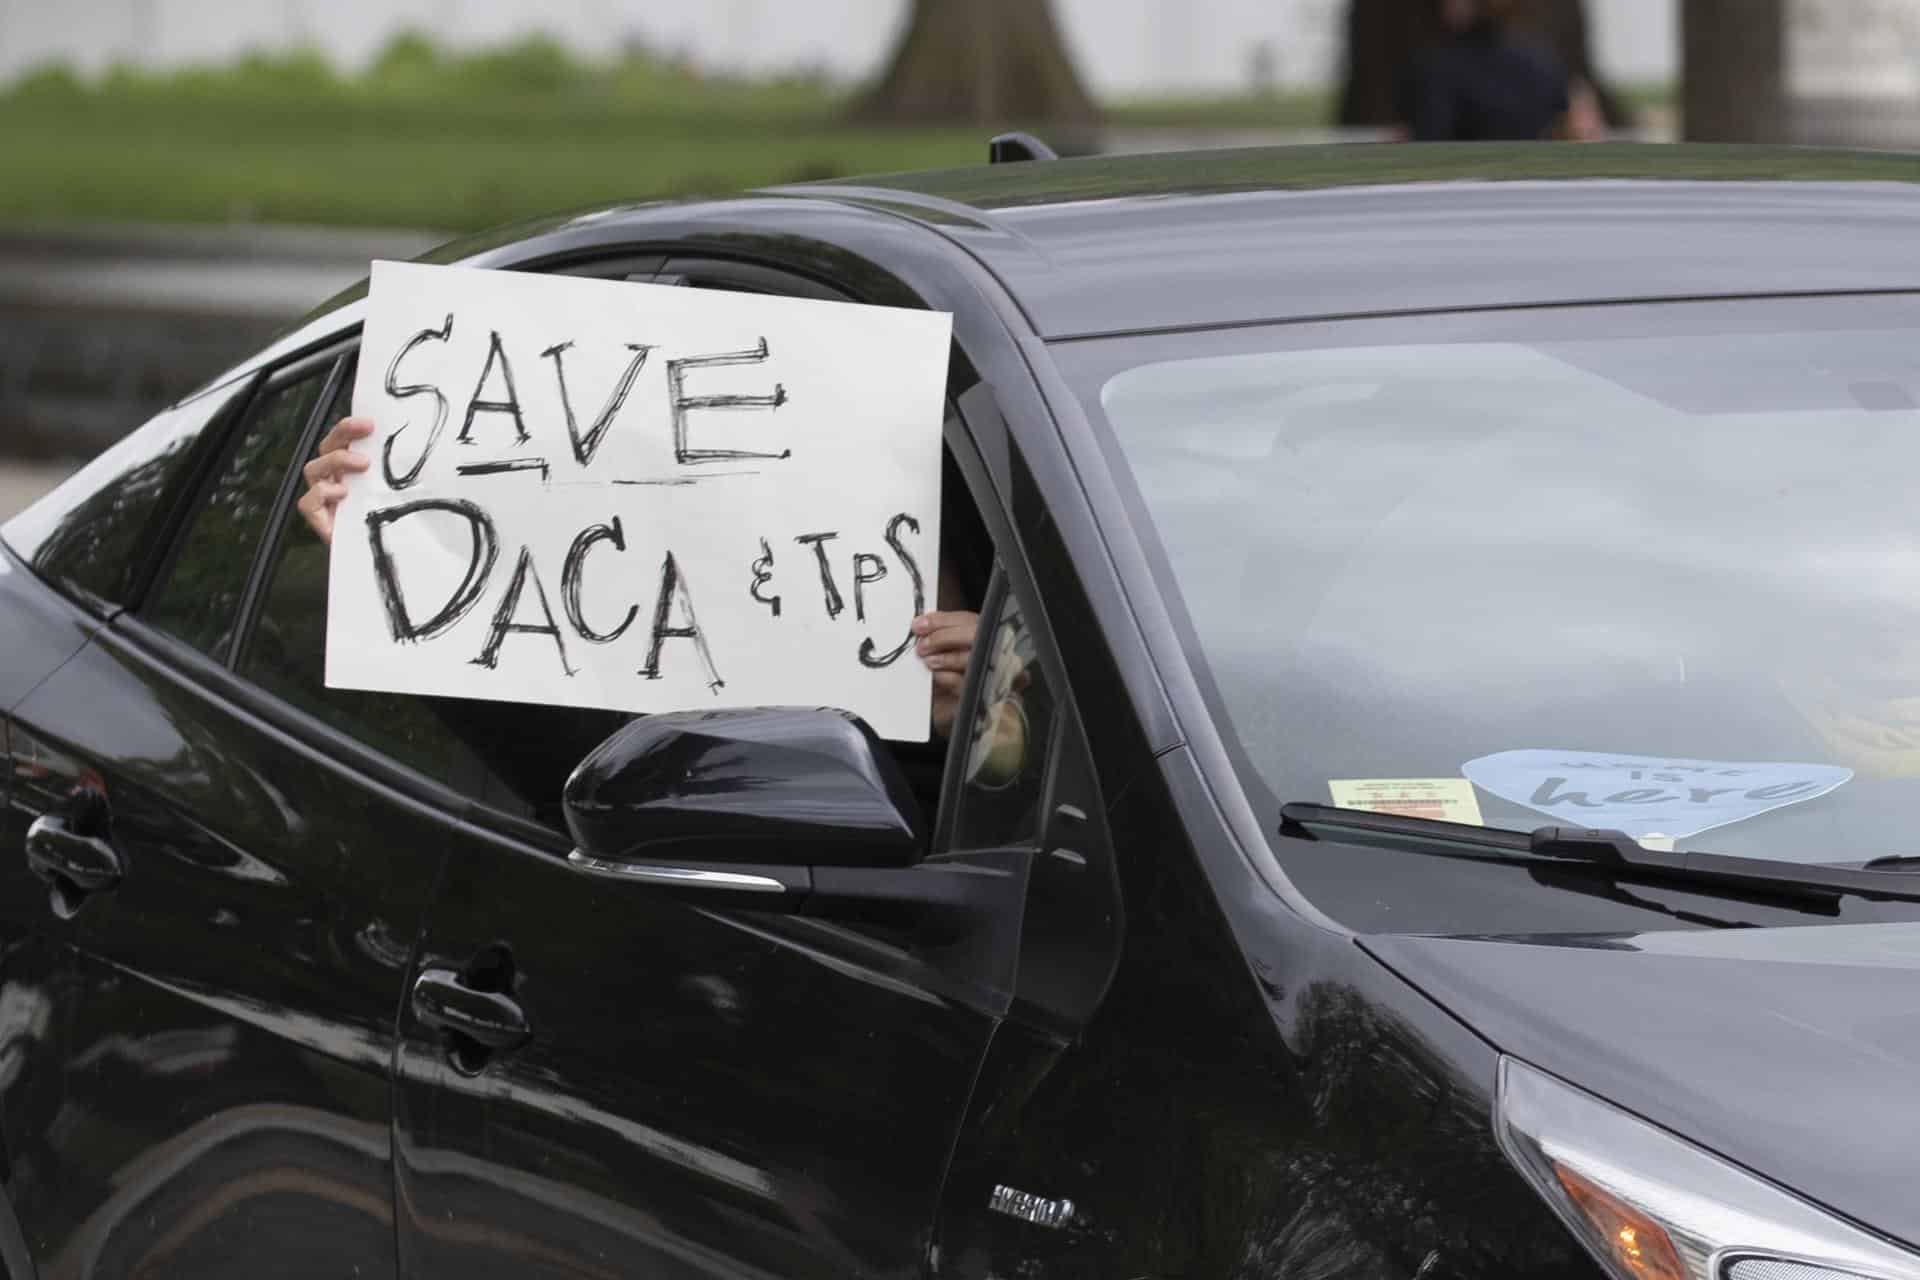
(1647, 795)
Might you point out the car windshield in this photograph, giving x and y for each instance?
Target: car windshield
(1650, 567)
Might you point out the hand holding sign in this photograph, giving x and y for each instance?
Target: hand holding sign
(944, 645)
(635, 496)
(327, 474)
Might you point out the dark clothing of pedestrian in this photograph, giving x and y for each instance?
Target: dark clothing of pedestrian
(1483, 84)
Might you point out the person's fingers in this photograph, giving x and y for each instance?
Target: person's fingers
(316, 507)
(318, 515)
(934, 619)
(948, 681)
(952, 631)
(948, 661)
(948, 639)
(344, 433)
(328, 466)
(334, 452)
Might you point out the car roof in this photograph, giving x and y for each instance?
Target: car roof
(1137, 243)
(1152, 242)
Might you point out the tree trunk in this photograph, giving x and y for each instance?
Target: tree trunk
(985, 62)
(1383, 36)
(1733, 62)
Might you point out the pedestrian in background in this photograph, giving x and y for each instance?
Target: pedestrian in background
(1484, 82)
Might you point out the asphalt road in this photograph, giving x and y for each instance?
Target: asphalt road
(22, 482)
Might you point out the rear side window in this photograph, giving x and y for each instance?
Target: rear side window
(509, 756)
(91, 536)
(198, 598)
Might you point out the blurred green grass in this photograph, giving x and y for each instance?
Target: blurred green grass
(421, 138)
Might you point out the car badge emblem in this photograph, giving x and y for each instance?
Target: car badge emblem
(1028, 1207)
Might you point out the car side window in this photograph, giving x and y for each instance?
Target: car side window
(509, 756)
(1002, 766)
(512, 757)
(199, 596)
(93, 536)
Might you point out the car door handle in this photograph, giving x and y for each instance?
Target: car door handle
(87, 863)
(442, 1000)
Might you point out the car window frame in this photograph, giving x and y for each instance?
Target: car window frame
(971, 416)
(219, 679)
(160, 526)
(1064, 734)
(170, 524)
(963, 428)
(700, 271)
(954, 781)
(346, 355)
(192, 500)
(343, 347)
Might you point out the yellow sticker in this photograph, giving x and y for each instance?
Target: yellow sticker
(1448, 799)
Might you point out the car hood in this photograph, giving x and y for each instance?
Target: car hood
(1794, 1052)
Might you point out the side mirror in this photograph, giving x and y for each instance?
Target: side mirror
(790, 809)
(766, 787)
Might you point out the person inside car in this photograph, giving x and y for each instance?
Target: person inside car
(945, 634)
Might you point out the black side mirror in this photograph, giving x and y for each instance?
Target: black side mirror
(769, 787)
(794, 810)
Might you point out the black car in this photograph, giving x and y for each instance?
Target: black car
(1462, 610)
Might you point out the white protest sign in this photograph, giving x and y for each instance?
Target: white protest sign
(1647, 795)
(640, 497)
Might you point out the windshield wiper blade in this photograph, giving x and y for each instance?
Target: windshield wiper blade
(1602, 851)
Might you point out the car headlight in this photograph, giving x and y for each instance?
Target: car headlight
(1652, 1207)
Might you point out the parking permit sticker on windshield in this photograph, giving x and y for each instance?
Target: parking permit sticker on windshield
(1648, 796)
(1448, 799)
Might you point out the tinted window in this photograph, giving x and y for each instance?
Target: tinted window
(1003, 774)
(199, 599)
(92, 533)
(510, 756)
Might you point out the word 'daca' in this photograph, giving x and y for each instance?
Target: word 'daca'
(671, 608)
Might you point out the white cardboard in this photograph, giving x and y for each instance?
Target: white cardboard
(848, 401)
